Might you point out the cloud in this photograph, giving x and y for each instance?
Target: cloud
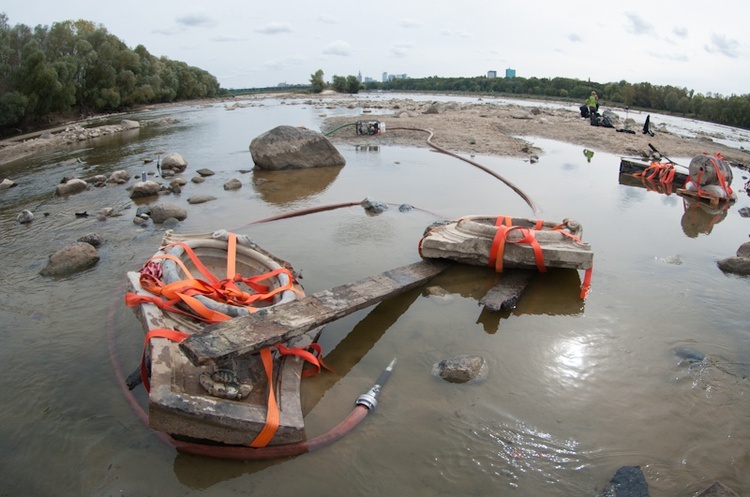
(676, 57)
(278, 64)
(165, 31)
(638, 26)
(275, 28)
(721, 44)
(455, 32)
(226, 39)
(575, 38)
(338, 47)
(195, 20)
(410, 23)
(680, 32)
(325, 18)
(401, 49)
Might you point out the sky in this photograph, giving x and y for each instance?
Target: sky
(688, 44)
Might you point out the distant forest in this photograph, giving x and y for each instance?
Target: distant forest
(732, 111)
(77, 66)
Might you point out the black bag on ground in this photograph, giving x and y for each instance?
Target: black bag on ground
(596, 119)
(584, 110)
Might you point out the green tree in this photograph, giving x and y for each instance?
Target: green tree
(352, 84)
(316, 81)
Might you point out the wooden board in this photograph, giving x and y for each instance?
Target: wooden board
(704, 197)
(505, 294)
(267, 327)
(628, 166)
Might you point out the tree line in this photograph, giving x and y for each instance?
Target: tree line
(77, 66)
(732, 111)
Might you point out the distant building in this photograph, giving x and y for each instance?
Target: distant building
(510, 73)
(491, 74)
(390, 77)
(359, 76)
(368, 79)
(283, 85)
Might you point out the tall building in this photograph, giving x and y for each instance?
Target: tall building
(491, 74)
(510, 73)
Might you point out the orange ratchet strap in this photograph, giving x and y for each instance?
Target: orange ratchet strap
(501, 238)
(272, 412)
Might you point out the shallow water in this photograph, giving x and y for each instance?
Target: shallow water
(575, 389)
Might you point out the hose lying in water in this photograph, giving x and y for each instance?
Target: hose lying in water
(513, 187)
(315, 210)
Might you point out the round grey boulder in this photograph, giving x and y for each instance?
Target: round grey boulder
(173, 162)
(162, 212)
(233, 184)
(461, 369)
(71, 259)
(287, 147)
(145, 189)
(71, 187)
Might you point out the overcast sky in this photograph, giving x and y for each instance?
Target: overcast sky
(697, 45)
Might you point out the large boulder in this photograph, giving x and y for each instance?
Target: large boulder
(162, 212)
(71, 259)
(120, 177)
(287, 147)
(173, 162)
(6, 183)
(71, 187)
(129, 124)
(145, 189)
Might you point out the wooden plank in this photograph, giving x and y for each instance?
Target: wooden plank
(505, 294)
(247, 334)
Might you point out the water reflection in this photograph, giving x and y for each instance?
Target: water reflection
(285, 187)
(700, 217)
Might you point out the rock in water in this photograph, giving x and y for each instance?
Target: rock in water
(287, 147)
(71, 259)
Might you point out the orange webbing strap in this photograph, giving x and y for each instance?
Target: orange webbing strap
(720, 174)
(272, 412)
(586, 286)
(231, 256)
(498, 246)
(313, 357)
(174, 335)
(539, 224)
(659, 171)
(177, 260)
(197, 262)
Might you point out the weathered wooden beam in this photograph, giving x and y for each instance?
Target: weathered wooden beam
(628, 166)
(505, 294)
(274, 325)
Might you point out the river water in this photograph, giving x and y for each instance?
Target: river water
(575, 389)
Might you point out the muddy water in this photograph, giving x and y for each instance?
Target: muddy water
(575, 389)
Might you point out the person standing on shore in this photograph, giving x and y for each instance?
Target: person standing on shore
(593, 102)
